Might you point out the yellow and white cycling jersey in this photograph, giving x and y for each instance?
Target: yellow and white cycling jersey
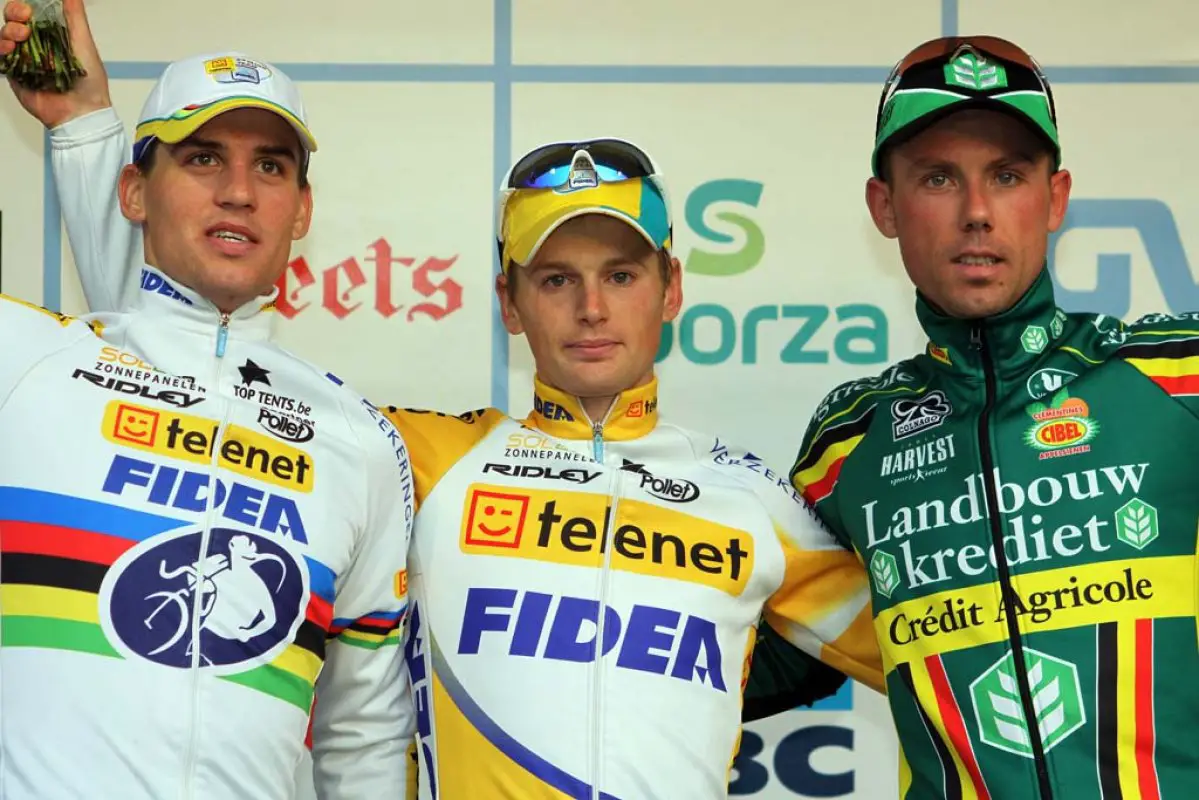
(585, 599)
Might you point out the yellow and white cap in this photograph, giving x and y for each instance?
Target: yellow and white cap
(192, 91)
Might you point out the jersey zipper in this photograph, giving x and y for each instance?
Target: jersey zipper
(190, 757)
(1010, 601)
(597, 722)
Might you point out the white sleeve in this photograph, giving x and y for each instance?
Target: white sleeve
(28, 334)
(364, 719)
(87, 155)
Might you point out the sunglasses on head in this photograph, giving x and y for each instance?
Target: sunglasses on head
(550, 166)
(947, 48)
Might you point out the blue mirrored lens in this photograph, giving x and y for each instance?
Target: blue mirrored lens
(557, 176)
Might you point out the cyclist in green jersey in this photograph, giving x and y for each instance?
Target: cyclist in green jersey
(1021, 492)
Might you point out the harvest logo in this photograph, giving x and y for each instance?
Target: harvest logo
(193, 439)
(576, 528)
(1062, 428)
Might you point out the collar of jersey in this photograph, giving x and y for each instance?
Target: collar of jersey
(1018, 338)
(633, 415)
(176, 305)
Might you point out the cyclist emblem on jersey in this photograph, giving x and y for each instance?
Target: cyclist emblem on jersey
(910, 417)
(236, 606)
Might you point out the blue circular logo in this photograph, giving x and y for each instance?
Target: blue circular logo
(236, 605)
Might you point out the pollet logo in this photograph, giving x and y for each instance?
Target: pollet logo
(753, 241)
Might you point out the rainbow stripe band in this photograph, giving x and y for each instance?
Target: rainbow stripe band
(55, 551)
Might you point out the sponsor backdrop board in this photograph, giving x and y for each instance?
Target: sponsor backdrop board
(761, 115)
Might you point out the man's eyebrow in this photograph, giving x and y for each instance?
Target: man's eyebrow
(196, 141)
(278, 150)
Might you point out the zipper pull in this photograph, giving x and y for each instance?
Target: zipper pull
(222, 336)
(597, 442)
(976, 337)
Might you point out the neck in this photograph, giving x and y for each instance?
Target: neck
(629, 415)
(224, 303)
(597, 407)
(1017, 337)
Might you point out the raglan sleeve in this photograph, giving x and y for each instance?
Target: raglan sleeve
(822, 609)
(364, 720)
(28, 334)
(87, 155)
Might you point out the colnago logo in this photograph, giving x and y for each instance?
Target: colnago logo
(194, 439)
(918, 462)
(912, 416)
(563, 628)
(576, 528)
(901, 563)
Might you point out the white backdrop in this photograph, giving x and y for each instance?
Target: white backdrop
(760, 112)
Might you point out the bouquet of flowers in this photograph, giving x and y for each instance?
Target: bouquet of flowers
(45, 60)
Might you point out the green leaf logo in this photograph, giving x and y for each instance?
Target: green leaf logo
(885, 571)
(1056, 700)
(975, 72)
(1136, 523)
(1034, 338)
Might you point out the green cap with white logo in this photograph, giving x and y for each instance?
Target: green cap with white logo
(952, 74)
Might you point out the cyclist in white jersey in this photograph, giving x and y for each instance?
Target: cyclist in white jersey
(197, 526)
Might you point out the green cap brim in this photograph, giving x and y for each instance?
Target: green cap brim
(909, 113)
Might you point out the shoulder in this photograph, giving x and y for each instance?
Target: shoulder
(905, 377)
(1163, 347)
(21, 318)
(741, 465)
(1163, 335)
(841, 421)
(450, 430)
(849, 407)
(438, 441)
(325, 394)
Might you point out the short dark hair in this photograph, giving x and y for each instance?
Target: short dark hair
(146, 162)
(664, 265)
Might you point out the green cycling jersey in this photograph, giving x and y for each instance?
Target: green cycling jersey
(1023, 496)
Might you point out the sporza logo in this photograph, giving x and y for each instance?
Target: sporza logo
(244, 596)
(749, 235)
(713, 333)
